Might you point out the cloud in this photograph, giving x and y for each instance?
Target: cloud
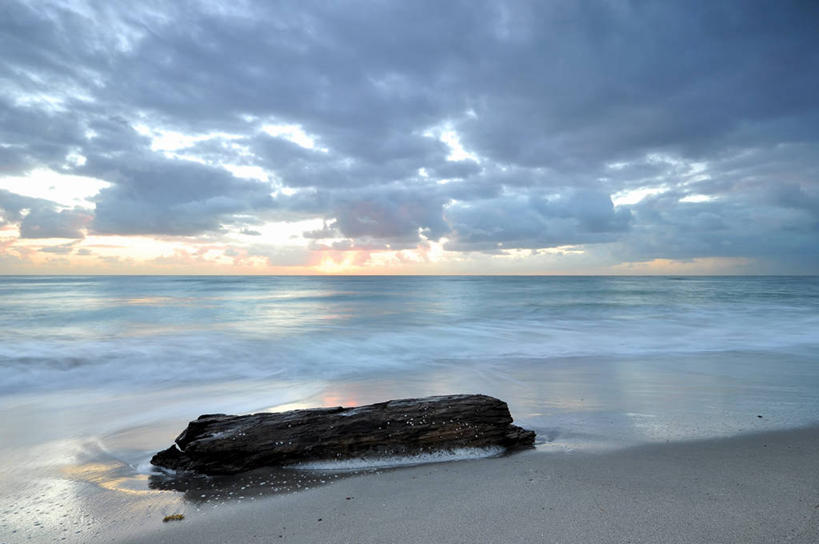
(62, 249)
(50, 223)
(752, 223)
(12, 206)
(172, 197)
(206, 121)
(532, 221)
(40, 218)
(390, 215)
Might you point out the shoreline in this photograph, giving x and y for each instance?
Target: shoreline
(59, 483)
(760, 487)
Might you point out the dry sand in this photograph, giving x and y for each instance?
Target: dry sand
(748, 489)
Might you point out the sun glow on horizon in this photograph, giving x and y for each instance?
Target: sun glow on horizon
(340, 262)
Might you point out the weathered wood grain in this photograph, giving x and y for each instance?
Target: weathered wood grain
(224, 444)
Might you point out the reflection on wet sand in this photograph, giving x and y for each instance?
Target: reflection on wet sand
(113, 476)
(198, 488)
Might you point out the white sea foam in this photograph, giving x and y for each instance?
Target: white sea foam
(63, 334)
(367, 463)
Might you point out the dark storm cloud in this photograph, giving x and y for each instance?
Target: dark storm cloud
(562, 105)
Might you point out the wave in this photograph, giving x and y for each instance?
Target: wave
(84, 332)
(369, 463)
(203, 356)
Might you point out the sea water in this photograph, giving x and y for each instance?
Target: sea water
(582, 359)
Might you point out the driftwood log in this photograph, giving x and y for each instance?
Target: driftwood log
(224, 444)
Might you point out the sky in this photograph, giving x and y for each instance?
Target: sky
(422, 137)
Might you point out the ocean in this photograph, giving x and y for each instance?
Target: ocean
(596, 360)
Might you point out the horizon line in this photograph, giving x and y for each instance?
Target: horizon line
(545, 275)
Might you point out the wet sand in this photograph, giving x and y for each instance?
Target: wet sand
(754, 488)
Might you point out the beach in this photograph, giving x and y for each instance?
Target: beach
(761, 487)
(757, 487)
